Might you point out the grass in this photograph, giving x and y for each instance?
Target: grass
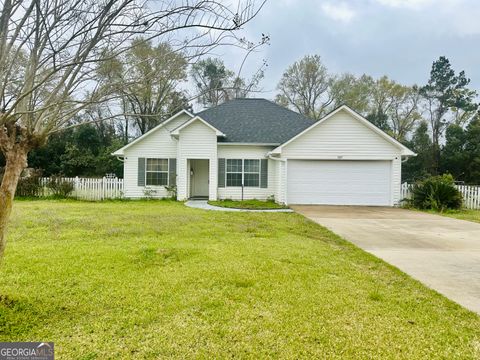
(148, 280)
(248, 204)
(469, 215)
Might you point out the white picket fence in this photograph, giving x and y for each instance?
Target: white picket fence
(471, 194)
(91, 188)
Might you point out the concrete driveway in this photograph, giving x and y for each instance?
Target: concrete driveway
(441, 252)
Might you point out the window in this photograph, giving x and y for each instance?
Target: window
(156, 172)
(234, 172)
(246, 172)
(251, 176)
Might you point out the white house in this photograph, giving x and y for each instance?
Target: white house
(254, 148)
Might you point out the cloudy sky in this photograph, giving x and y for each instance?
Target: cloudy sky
(398, 38)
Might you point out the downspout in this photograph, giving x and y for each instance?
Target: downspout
(271, 157)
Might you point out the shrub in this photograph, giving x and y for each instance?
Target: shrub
(436, 193)
(149, 193)
(172, 192)
(30, 186)
(60, 187)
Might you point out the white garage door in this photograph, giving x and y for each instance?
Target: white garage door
(339, 182)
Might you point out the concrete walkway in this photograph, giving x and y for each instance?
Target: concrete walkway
(203, 204)
(441, 252)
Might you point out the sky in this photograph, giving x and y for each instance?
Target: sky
(397, 38)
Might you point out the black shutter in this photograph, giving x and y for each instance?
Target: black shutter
(221, 173)
(141, 172)
(172, 172)
(264, 173)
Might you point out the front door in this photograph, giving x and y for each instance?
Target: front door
(199, 178)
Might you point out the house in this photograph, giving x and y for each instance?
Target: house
(254, 148)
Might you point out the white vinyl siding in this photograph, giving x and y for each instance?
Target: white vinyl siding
(249, 152)
(157, 145)
(339, 182)
(343, 137)
(281, 186)
(396, 180)
(196, 141)
(340, 136)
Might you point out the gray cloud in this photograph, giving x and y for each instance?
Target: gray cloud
(398, 38)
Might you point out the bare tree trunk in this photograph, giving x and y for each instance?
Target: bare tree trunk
(16, 162)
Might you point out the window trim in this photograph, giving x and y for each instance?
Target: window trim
(259, 173)
(149, 171)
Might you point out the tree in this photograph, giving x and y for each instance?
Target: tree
(419, 166)
(354, 92)
(394, 107)
(380, 120)
(211, 79)
(48, 157)
(50, 51)
(146, 79)
(215, 84)
(79, 151)
(241, 88)
(472, 148)
(404, 110)
(454, 158)
(447, 98)
(460, 156)
(305, 87)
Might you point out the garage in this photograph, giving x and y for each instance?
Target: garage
(332, 182)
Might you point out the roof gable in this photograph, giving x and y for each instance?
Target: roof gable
(176, 131)
(120, 152)
(404, 150)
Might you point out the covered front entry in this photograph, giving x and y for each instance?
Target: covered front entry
(331, 182)
(199, 178)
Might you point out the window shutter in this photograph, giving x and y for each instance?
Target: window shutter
(264, 173)
(141, 172)
(172, 172)
(221, 172)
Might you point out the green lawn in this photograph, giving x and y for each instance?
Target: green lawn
(470, 215)
(155, 279)
(248, 204)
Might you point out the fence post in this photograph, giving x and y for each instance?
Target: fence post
(76, 183)
(103, 187)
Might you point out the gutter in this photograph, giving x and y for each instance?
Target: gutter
(271, 157)
(406, 157)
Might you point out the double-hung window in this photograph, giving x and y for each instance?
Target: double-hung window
(243, 171)
(251, 173)
(156, 172)
(234, 172)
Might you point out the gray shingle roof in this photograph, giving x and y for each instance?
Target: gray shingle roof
(255, 121)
